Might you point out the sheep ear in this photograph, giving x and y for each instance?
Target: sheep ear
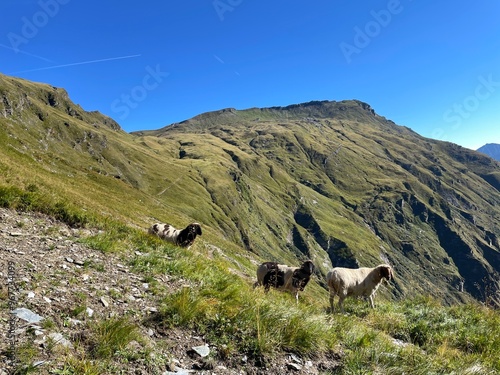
(310, 266)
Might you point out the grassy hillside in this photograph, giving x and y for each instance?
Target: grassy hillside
(329, 181)
(345, 186)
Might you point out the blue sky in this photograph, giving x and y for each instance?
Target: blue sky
(433, 66)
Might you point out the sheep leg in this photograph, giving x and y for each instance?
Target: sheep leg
(331, 302)
(371, 301)
(341, 301)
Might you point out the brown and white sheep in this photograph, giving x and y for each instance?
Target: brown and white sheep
(345, 282)
(180, 237)
(281, 277)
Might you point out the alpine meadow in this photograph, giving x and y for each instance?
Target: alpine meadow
(333, 182)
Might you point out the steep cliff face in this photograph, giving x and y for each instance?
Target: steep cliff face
(20, 99)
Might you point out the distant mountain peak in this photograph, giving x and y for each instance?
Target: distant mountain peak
(491, 149)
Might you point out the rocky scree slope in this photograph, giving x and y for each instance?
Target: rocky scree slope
(74, 288)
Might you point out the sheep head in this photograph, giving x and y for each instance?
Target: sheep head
(307, 267)
(302, 275)
(188, 235)
(385, 272)
(194, 229)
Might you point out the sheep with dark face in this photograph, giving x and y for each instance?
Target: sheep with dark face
(281, 277)
(345, 282)
(180, 237)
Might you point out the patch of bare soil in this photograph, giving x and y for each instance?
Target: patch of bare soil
(46, 269)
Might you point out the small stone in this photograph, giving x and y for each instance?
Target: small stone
(15, 234)
(104, 302)
(79, 262)
(31, 295)
(85, 277)
(69, 260)
(60, 340)
(294, 366)
(74, 322)
(202, 350)
(89, 312)
(46, 299)
(38, 363)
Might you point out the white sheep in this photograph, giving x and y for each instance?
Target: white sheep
(281, 277)
(345, 282)
(180, 237)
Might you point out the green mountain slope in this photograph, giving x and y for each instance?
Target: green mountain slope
(329, 181)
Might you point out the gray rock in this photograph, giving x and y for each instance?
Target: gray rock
(202, 350)
(60, 340)
(294, 366)
(27, 315)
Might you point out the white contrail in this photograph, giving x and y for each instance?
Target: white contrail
(219, 59)
(25, 53)
(77, 63)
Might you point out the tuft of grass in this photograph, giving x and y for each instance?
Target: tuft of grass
(112, 335)
(78, 366)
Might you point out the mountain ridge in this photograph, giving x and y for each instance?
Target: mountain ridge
(307, 110)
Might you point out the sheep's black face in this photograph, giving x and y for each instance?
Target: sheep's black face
(188, 235)
(197, 229)
(308, 267)
(386, 273)
(300, 279)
